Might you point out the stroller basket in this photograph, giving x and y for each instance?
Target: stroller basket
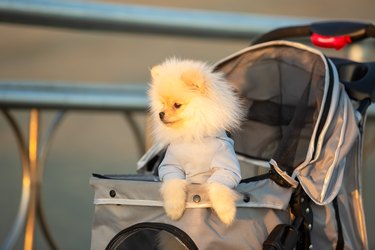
(303, 134)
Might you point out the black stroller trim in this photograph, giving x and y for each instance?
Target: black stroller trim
(340, 238)
(297, 234)
(157, 227)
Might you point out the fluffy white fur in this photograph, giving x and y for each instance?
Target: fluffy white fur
(223, 201)
(189, 102)
(174, 196)
(212, 103)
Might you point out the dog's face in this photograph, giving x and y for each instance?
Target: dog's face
(190, 101)
(173, 93)
(172, 110)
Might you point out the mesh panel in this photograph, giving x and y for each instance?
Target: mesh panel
(282, 88)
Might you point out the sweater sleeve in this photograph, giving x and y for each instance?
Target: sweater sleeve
(169, 168)
(225, 165)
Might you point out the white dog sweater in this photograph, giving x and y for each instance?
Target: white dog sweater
(210, 160)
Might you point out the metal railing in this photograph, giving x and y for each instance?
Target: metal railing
(38, 96)
(96, 16)
(45, 95)
(140, 19)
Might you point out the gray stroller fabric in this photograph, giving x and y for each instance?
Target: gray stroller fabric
(138, 202)
(273, 78)
(301, 121)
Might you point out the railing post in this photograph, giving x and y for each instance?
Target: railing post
(34, 179)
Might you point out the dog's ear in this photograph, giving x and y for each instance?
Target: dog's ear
(194, 79)
(155, 71)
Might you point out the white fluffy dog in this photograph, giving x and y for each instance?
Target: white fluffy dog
(192, 107)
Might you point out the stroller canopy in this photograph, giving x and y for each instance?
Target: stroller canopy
(299, 115)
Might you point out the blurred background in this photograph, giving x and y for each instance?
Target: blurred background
(101, 142)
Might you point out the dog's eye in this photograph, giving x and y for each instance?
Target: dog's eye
(177, 105)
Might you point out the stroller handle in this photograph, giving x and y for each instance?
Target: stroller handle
(324, 34)
(358, 78)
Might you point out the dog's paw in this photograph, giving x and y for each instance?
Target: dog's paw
(223, 200)
(174, 196)
(174, 209)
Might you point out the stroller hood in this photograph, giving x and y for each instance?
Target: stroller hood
(299, 115)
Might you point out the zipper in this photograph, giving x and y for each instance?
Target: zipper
(127, 177)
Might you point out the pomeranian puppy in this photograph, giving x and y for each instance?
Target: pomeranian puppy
(192, 107)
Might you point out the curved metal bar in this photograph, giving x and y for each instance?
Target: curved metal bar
(42, 158)
(19, 222)
(44, 145)
(137, 132)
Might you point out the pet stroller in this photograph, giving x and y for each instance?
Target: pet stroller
(300, 154)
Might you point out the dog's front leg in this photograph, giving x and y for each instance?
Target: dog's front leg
(223, 200)
(174, 195)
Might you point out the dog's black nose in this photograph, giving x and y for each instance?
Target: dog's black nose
(161, 115)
